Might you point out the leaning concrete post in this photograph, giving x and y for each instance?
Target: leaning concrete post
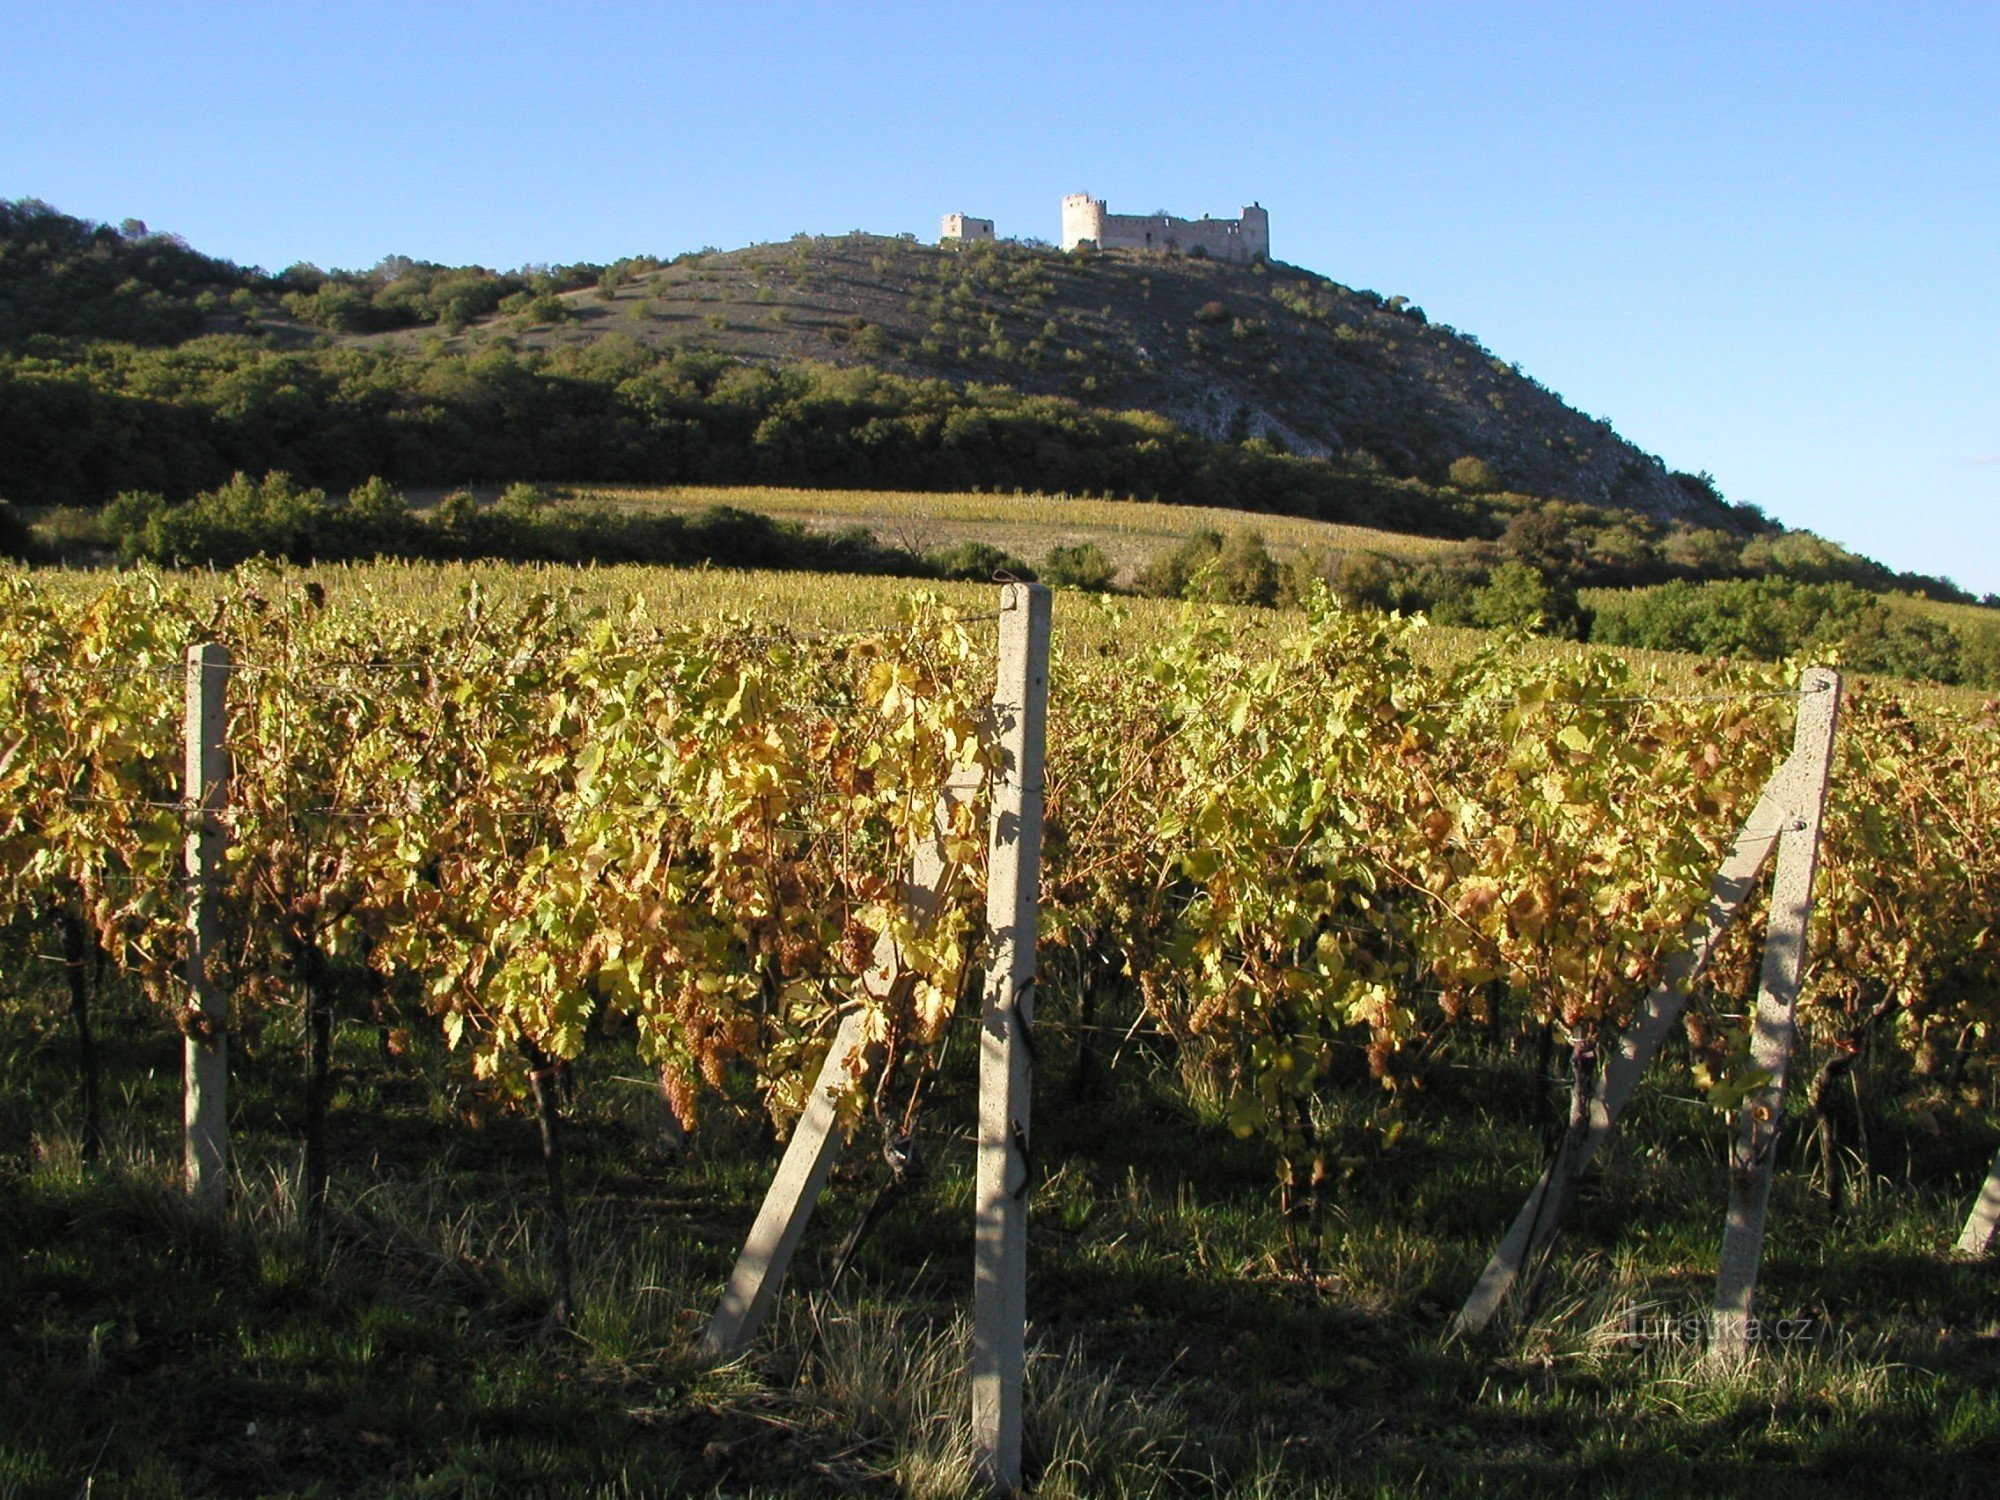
(817, 1138)
(1006, 1040)
(1754, 1154)
(1977, 1236)
(1536, 1226)
(205, 1079)
(759, 1272)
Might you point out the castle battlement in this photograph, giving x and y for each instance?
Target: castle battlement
(1086, 221)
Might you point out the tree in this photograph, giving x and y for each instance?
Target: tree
(1364, 580)
(1168, 574)
(1472, 473)
(1518, 596)
(979, 562)
(1247, 572)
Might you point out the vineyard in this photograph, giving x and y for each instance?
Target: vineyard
(1375, 923)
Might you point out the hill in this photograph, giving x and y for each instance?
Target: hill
(1271, 358)
(129, 362)
(68, 277)
(1269, 353)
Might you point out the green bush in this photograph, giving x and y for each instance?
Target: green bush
(1170, 574)
(1979, 656)
(1245, 569)
(521, 500)
(244, 518)
(1082, 566)
(16, 540)
(1237, 569)
(1472, 473)
(273, 517)
(1808, 558)
(1519, 596)
(546, 308)
(977, 562)
(1364, 580)
(1776, 617)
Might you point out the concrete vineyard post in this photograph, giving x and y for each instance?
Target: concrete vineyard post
(1536, 1226)
(817, 1139)
(816, 1142)
(1977, 1236)
(759, 1272)
(1006, 1041)
(1754, 1152)
(205, 1101)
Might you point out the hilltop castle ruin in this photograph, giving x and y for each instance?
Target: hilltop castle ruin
(1085, 220)
(960, 227)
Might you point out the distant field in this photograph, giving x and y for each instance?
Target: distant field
(1130, 531)
(1962, 616)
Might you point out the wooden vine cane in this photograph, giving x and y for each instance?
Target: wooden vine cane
(1533, 1233)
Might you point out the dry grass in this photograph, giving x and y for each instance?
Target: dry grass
(1027, 525)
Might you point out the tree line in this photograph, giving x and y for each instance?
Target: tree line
(81, 425)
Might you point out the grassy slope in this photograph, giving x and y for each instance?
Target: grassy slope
(1129, 532)
(1187, 1346)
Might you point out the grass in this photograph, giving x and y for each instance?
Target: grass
(1187, 1340)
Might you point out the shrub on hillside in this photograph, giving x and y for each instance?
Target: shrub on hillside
(1166, 575)
(977, 562)
(15, 538)
(78, 279)
(1083, 566)
(1518, 596)
(1364, 580)
(1245, 571)
(273, 517)
(242, 519)
(1472, 473)
(1979, 656)
(1237, 569)
(1776, 617)
(1808, 558)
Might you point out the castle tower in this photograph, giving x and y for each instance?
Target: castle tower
(1256, 222)
(1082, 219)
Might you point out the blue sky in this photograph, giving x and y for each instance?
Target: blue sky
(1762, 240)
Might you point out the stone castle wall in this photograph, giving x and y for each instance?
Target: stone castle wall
(1244, 239)
(959, 227)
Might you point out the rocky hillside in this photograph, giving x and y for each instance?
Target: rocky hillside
(1273, 352)
(134, 360)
